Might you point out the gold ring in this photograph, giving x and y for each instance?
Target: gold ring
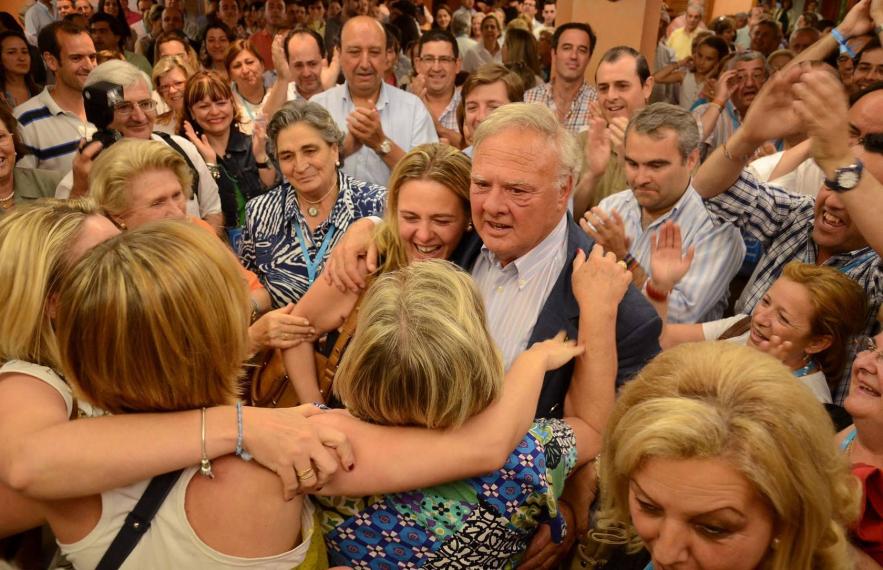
(622, 264)
(306, 474)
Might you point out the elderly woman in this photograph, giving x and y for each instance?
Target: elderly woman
(172, 277)
(715, 458)
(170, 75)
(805, 319)
(239, 161)
(19, 184)
(289, 230)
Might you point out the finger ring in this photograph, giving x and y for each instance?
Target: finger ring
(622, 264)
(305, 474)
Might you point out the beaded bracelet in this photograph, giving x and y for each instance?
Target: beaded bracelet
(630, 261)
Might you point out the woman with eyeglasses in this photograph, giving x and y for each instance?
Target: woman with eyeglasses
(170, 75)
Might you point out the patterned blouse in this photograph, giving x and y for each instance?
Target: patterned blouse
(276, 234)
(484, 522)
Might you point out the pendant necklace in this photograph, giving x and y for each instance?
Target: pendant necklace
(313, 210)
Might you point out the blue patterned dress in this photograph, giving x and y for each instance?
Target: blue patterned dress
(484, 522)
(272, 249)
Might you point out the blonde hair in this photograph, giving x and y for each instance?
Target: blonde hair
(154, 320)
(839, 310)
(436, 162)
(422, 354)
(111, 175)
(721, 400)
(35, 245)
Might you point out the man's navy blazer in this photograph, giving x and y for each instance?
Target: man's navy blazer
(637, 324)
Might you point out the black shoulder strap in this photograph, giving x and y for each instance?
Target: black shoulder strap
(138, 521)
(170, 140)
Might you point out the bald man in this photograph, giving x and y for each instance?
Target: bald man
(381, 122)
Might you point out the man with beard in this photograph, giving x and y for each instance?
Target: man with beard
(53, 122)
(736, 89)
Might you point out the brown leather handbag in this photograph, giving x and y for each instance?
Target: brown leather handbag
(268, 385)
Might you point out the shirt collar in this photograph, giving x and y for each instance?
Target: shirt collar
(47, 99)
(382, 97)
(528, 264)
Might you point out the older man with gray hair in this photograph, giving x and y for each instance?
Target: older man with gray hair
(134, 117)
(661, 152)
(522, 252)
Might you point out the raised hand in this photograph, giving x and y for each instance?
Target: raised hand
(259, 141)
(775, 347)
(600, 281)
(668, 264)
(821, 103)
(607, 230)
(280, 62)
(597, 151)
(858, 20)
(726, 83)
(201, 143)
(329, 73)
(771, 114)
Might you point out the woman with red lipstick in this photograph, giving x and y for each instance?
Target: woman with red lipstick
(427, 215)
(805, 318)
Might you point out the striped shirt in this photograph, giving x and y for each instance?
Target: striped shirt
(702, 294)
(50, 132)
(270, 245)
(577, 116)
(783, 223)
(515, 294)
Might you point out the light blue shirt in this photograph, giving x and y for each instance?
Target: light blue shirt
(403, 116)
(515, 294)
(702, 294)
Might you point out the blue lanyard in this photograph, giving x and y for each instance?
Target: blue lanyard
(313, 263)
(810, 367)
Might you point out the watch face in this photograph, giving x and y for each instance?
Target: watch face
(848, 179)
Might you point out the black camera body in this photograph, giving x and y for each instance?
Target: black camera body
(99, 99)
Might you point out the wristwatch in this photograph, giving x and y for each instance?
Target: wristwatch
(384, 148)
(846, 177)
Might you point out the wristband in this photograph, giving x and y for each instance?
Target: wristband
(654, 294)
(730, 157)
(630, 261)
(841, 41)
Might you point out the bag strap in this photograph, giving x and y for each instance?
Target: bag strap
(138, 521)
(169, 140)
(740, 327)
(345, 334)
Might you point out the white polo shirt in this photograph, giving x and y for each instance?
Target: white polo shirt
(50, 132)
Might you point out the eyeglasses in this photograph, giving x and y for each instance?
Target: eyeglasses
(178, 85)
(126, 108)
(442, 59)
(868, 344)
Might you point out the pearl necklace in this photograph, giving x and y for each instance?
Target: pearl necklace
(4, 202)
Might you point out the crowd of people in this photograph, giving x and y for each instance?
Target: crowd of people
(403, 284)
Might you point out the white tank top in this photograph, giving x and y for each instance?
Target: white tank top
(171, 542)
(51, 377)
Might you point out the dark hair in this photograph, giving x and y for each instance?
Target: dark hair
(521, 48)
(237, 47)
(488, 74)
(30, 83)
(717, 43)
(575, 26)
(47, 40)
(112, 23)
(450, 12)
(722, 24)
(213, 24)
(8, 22)
(11, 123)
(615, 53)
(438, 35)
(304, 31)
(393, 36)
(772, 25)
(871, 45)
(120, 17)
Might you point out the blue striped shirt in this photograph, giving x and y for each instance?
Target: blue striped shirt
(515, 294)
(783, 223)
(702, 293)
(270, 247)
(50, 132)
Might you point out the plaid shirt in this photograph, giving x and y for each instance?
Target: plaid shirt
(448, 118)
(783, 223)
(578, 116)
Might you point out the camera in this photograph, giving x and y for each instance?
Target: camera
(99, 99)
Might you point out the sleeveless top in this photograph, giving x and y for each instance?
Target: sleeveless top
(172, 543)
(54, 379)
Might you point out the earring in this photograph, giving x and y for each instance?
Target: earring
(469, 227)
(337, 163)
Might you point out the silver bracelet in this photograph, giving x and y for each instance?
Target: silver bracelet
(205, 465)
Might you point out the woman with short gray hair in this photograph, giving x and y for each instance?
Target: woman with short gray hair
(291, 229)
